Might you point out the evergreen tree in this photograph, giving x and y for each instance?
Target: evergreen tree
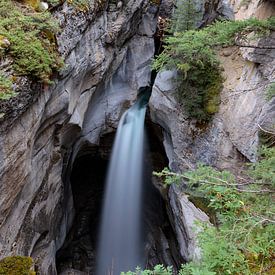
(186, 15)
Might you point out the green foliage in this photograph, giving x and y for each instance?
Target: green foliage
(158, 270)
(200, 91)
(185, 16)
(270, 93)
(16, 265)
(243, 242)
(193, 54)
(29, 33)
(6, 91)
(263, 171)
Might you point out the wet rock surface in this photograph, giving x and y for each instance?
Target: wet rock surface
(107, 52)
(87, 178)
(37, 152)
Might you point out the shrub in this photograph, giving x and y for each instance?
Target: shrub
(31, 43)
(158, 270)
(16, 265)
(243, 241)
(193, 54)
(27, 31)
(186, 16)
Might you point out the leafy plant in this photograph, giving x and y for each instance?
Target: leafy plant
(30, 44)
(82, 5)
(193, 54)
(85, 5)
(243, 241)
(186, 16)
(158, 270)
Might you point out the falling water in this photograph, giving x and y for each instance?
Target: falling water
(120, 238)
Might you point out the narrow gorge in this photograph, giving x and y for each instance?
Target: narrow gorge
(57, 128)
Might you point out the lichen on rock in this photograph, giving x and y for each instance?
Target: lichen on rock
(17, 265)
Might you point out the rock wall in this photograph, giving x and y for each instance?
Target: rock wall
(107, 55)
(104, 69)
(233, 135)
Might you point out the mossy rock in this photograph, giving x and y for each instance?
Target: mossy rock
(32, 40)
(17, 265)
(202, 203)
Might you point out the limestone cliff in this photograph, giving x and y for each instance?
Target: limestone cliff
(107, 57)
(233, 135)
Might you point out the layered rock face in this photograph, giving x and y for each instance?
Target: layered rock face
(233, 135)
(107, 57)
(107, 52)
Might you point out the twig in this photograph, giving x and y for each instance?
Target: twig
(264, 130)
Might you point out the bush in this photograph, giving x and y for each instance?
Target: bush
(243, 240)
(186, 16)
(16, 265)
(158, 270)
(193, 54)
(30, 40)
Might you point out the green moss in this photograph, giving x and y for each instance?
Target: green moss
(33, 3)
(32, 52)
(16, 265)
(6, 91)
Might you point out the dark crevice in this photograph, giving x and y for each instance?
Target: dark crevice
(87, 179)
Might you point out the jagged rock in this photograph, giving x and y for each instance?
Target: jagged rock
(233, 130)
(225, 10)
(35, 201)
(253, 8)
(185, 218)
(100, 80)
(236, 124)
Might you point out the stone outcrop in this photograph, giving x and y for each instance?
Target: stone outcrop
(104, 69)
(107, 52)
(233, 134)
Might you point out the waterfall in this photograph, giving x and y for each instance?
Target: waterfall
(120, 240)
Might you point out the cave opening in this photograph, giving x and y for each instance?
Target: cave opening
(87, 179)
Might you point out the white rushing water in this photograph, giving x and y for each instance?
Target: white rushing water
(120, 232)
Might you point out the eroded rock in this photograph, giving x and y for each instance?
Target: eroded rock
(35, 195)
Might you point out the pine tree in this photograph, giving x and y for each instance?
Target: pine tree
(186, 16)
